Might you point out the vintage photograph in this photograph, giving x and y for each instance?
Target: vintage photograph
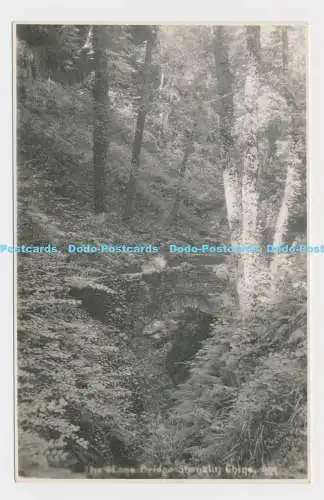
(161, 251)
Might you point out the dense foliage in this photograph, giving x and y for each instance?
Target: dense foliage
(184, 134)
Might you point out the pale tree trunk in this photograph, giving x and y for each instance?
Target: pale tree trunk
(292, 187)
(250, 264)
(88, 43)
(231, 175)
(282, 220)
(250, 195)
(293, 183)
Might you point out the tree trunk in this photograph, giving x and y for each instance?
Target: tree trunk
(182, 171)
(139, 131)
(293, 182)
(250, 139)
(101, 116)
(291, 195)
(88, 43)
(231, 174)
(285, 46)
(250, 197)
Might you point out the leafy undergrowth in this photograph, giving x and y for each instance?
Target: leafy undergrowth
(87, 388)
(81, 380)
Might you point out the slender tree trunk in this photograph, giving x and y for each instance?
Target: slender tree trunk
(293, 182)
(285, 59)
(88, 43)
(182, 172)
(290, 197)
(101, 116)
(231, 175)
(139, 131)
(250, 139)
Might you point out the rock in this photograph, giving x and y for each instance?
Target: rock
(155, 264)
(221, 272)
(153, 328)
